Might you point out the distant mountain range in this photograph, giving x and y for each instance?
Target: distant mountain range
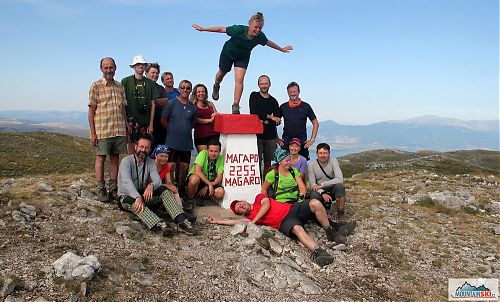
(419, 133)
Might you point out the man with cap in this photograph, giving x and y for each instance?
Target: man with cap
(108, 130)
(140, 190)
(295, 113)
(326, 180)
(290, 220)
(141, 93)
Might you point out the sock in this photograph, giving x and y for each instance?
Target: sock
(100, 183)
(179, 218)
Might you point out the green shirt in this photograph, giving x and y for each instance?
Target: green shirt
(288, 189)
(139, 93)
(240, 46)
(209, 169)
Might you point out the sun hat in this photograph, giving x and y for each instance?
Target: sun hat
(138, 60)
(295, 141)
(160, 149)
(280, 154)
(233, 206)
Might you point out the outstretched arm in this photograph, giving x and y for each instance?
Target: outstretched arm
(277, 47)
(214, 220)
(214, 29)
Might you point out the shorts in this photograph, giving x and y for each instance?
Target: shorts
(204, 140)
(111, 146)
(337, 190)
(299, 214)
(202, 185)
(226, 62)
(181, 156)
(266, 148)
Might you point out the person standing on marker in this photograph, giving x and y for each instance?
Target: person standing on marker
(236, 51)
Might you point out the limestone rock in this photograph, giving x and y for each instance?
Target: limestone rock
(238, 228)
(45, 187)
(71, 266)
(8, 287)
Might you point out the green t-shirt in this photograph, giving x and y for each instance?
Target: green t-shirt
(209, 169)
(240, 46)
(288, 189)
(139, 93)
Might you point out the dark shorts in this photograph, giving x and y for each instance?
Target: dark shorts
(266, 148)
(181, 156)
(111, 146)
(303, 151)
(299, 214)
(204, 140)
(337, 190)
(226, 62)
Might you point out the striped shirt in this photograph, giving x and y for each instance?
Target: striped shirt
(109, 100)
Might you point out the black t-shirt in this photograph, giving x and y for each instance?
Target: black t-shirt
(262, 107)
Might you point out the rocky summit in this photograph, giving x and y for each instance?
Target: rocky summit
(416, 228)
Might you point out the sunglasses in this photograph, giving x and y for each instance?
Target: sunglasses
(185, 87)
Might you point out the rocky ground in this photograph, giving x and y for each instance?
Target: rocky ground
(415, 230)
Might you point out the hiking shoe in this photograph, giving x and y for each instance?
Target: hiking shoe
(187, 228)
(164, 229)
(200, 202)
(215, 92)
(235, 109)
(102, 195)
(340, 215)
(346, 228)
(188, 205)
(190, 217)
(321, 257)
(333, 235)
(113, 195)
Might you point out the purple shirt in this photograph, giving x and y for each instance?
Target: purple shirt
(301, 165)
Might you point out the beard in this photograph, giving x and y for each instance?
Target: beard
(141, 154)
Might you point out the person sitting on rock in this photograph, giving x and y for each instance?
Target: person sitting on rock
(137, 195)
(283, 183)
(205, 176)
(290, 219)
(325, 179)
(160, 155)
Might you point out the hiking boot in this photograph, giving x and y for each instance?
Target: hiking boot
(321, 257)
(188, 206)
(186, 227)
(235, 109)
(333, 235)
(343, 228)
(190, 217)
(346, 228)
(340, 215)
(113, 195)
(102, 195)
(215, 92)
(164, 229)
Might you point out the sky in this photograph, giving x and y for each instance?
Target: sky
(357, 61)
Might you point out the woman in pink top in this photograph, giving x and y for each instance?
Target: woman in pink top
(204, 128)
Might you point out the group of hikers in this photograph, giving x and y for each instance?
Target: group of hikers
(154, 125)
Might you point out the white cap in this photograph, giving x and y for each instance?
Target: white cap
(138, 60)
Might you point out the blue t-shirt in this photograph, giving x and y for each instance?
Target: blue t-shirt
(295, 120)
(181, 118)
(172, 94)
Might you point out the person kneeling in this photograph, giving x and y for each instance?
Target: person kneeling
(289, 219)
(138, 196)
(205, 176)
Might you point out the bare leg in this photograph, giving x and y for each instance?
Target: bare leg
(192, 186)
(219, 76)
(99, 167)
(130, 148)
(239, 76)
(340, 202)
(319, 211)
(219, 193)
(304, 238)
(172, 171)
(114, 161)
(183, 174)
